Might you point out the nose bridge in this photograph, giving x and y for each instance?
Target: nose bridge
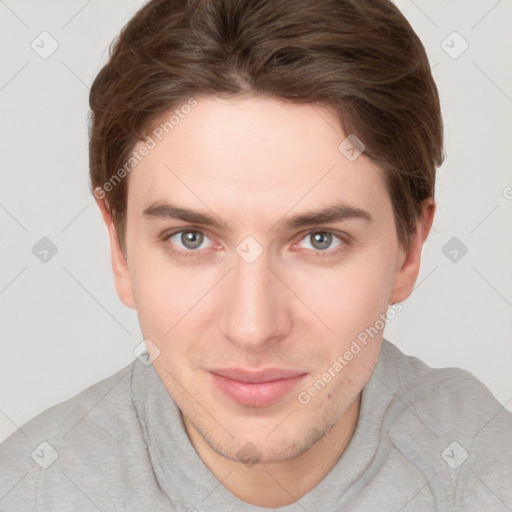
(254, 311)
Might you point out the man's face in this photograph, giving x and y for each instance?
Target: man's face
(248, 315)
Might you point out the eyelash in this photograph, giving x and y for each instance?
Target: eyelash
(196, 253)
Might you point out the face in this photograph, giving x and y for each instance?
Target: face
(255, 305)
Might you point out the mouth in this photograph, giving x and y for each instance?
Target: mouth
(255, 388)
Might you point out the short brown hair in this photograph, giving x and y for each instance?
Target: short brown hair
(360, 58)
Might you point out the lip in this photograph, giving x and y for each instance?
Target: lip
(255, 388)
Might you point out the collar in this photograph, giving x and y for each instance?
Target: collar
(185, 479)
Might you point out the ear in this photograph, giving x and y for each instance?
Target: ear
(119, 261)
(408, 264)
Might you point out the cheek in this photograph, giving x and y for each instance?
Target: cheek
(351, 301)
(352, 296)
(168, 295)
(159, 292)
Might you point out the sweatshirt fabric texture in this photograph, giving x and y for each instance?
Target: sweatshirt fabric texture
(426, 440)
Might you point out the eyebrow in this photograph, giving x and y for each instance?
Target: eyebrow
(335, 212)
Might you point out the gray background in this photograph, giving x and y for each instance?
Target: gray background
(62, 324)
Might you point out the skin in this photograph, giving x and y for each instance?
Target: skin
(252, 161)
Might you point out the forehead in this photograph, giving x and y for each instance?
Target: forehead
(253, 153)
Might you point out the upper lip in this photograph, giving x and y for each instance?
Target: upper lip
(258, 376)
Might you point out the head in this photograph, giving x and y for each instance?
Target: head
(266, 171)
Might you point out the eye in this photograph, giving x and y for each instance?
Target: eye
(321, 241)
(190, 242)
(186, 241)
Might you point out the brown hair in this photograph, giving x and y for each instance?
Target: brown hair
(360, 58)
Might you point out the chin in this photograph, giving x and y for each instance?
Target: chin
(268, 446)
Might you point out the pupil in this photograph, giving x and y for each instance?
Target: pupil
(323, 239)
(192, 239)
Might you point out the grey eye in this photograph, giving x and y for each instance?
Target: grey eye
(321, 240)
(192, 239)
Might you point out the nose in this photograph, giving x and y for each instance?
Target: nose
(255, 308)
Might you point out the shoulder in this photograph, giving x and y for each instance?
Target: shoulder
(443, 395)
(90, 431)
(449, 424)
(92, 406)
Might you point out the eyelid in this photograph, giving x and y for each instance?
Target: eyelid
(169, 234)
(340, 234)
(343, 237)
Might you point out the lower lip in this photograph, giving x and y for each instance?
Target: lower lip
(255, 394)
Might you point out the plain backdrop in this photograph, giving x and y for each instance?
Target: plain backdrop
(63, 327)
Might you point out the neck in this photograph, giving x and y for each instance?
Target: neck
(284, 481)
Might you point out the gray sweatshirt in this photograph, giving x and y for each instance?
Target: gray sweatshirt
(426, 439)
